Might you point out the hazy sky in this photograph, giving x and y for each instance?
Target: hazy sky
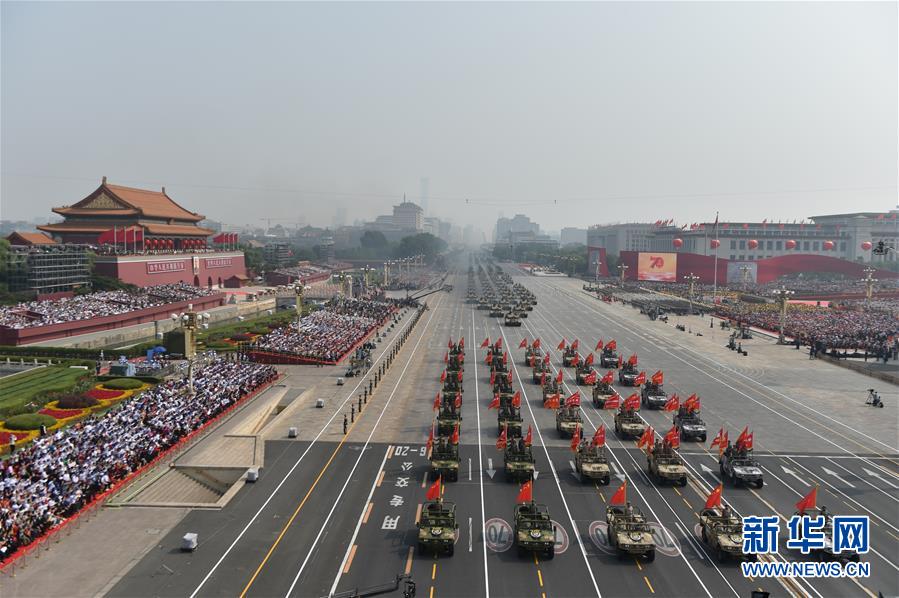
(616, 111)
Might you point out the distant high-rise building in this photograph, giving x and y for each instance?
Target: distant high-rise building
(408, 216)
(517, 224)
(339, 216)
(573, 236)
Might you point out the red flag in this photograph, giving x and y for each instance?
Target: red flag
(509, 376)
(640, 380)
(486, 343)
(619, 361)
(430, 440)
(672, 404)
(434, 491)
(590, 378)
(536, 343)
(632, 402)
(576, 359)
(552, 402)
(611, 345)
(505, 357)
(462, 342)
(574, 400)
(526, 493)
(723, 444)
(516, 399)
(612, 402)
(559, 377)
(492, 377)
(455, 437)
(437, 402)
(717, 439)
(443, 376)
(743, 436)
(501, 441)
(529, 437)
(449, 343)
(746, 444)
(531, 361)
(446, 358)
(589, 359)
(459, 375)
(546, 359)
(608, 377)
(494, 404)
(523, 343)
(489, 359)
(693, 403)
(632, 359)
(575, 344)
(646, 438)
(672, 437)
(599, 437)
(499, 343)
(808, 501)
(598, 345)
(543, 379)
(561, 345)
(620, 496)
(714, 499)
(576, 437)
(658, 378)
(458, 401)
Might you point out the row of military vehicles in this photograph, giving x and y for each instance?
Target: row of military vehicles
(501, 297)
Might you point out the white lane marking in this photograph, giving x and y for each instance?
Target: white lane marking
(477, 411)
(349, 397)
(879, 477)
(834, 474)
(469, 534)
(469, 469)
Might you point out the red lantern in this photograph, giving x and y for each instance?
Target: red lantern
(828, 245)
(867, 245)
(678, 243)
(170, 243)
(753, 243)
(715, 243)
(791, 244)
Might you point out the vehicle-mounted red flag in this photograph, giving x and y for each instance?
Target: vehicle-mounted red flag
(499, 343)
(455, 437)
(437, 402)
(658, 378)
(598, 345)
(525, 493)
(576, 359)
(693, 403)
(599, 437)
(575, 344)
(640, 380)
(434, 491)
(612, 345)
(646, 438)
(559, 377)
(462, 342)
(536, 343)
(589, 359)
(492, 377)
(561, 345)
(673, 403)
(632, 359)
(590, 379)
(620, 360)
(509, 376)
(443, 376)
(553, 401)
(516, 399)
(446, 358)
(612, 402)
(486, 343)
(494, 404)
(529, 437)
(459, 375)
(523, 343)
(742, 437)
(501, 441)
(746, 445)
(531, 361)
(458, 401)
(632, 403)
(717, 439)
(449, 343)
(505, 358)
(608, 377)
(714, 499)
(576, 437)
(672, 437)
(430, 443)
(620, 497)
(489, 359)
(543, 379)
(574, 400)
(808, 501)
(546, 359)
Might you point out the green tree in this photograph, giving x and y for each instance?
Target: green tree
(4, 260)
(422, 243)
(373, 239)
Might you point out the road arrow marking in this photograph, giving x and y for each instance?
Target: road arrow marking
(834, 474)
(708, 470)
(615, 467)
(878, 476)
(536, 473)
(793, 473)
(490, 470)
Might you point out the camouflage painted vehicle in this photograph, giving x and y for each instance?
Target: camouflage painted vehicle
(539, 369)
(628, 424)
(567, 421)
(551, 388)
(483, 304)
(534, 530)
(497, 311)
(445, 459)
(537, 354)
(522, 310)
(629, 533)
(568, 356)
(690, 425)
(627, 374)
(452, 385)
(608, 360)
(512, 319)
(447, 419)
(664, 465)
(591, 463)
(722, 531)
(653, 396)
(437, 528)
(827, 553)
(509, 417)
(739, 467)
(601, 393)
(582, 372)
(518, 460)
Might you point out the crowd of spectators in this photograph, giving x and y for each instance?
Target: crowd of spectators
(55, 477)
(31, 314)
(327, 334)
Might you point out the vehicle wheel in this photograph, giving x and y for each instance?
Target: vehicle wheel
(683, 482)
(550, 554)
(606, 480)
(451, 550)
(705, 537)
(760, 483)
(651, 555)
(421, 549)
(722, 556)
(703, 438)
(621, 555)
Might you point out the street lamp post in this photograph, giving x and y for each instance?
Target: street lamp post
(744, 273)
(782, 295)
(189, 322)
(622, 268)
(691, 278)
(869, 281)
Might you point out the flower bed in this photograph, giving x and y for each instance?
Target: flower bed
(101, 394)
(21, 437)
(63, 414)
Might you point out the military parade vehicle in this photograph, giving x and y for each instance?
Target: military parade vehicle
(452, 385)
(509, 417)
(690, 424)
(568, 356)
(437, 528)
(552, 389)
(629, 533)
(518, 460)
(512, 319)
(591, 463)
(447, 418)
(722, 531)
(602, 392)
(471, 296)
(445, 459)
(826, 552)
(568, 419)
(521, 310)
(664, 465)
(535, 354)
(627, 374)
(739, 467)
(534, 530)
(483, 304)
(653, 396)
(628, 424)
(497, 311)
(608, 359)
(582, 371)
(590, 287)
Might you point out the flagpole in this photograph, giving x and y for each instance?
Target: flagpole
(715, 279)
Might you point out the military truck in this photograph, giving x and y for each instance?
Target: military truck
(509, 417)
(722, 531)
(437, 528)
(602, 392)
(739, 467)
(627, 374)
(608, 359)
(664, 465)
(582, 371)
(690, 425)
(536, 354)
(452, 385)
(568, 356)
(539, 369)
(653, 396)
(629, 533)
(447, 418)
(445, 459)
(567, 421)
(591, 463)
(496, 311)
(512, 319)
(518, 459)
(534, 530)
(628, 424)
(551, 388)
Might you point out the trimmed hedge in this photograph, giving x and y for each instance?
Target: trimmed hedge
(147, 379)
(28, 421)
(123, 384)
(76, 402)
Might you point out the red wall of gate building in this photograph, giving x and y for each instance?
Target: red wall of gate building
(198, 269)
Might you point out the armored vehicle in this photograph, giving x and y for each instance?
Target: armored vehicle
(690, 425)
(629, 533)
(535, 354)
(447, 418)
(591, 462)
(664, 465)
(608, 359)
(452, 385)
(601, 393)
(512, 319)
(628, 424)
(509, 417)
(497, 311)
(567, 421)
(653, 396)
(522, 310)
(437, 528)
(483, 304)
(627, 374)
(539, 369)
(722, 531)
(519, 460)
(445, 459)
(739, 467)
(534, 530)
(568, 356)
(582, 372)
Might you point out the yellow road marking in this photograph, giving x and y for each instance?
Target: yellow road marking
(678, 491)
(381, 478)
(418, 513)
(639, 566)
(390, 451)
(648, 585)
(432, 592)
(367, 512)
(540, 577)
(424, 480)
(434, 571)
(349, 561)
(409, 561)
(688, 502)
